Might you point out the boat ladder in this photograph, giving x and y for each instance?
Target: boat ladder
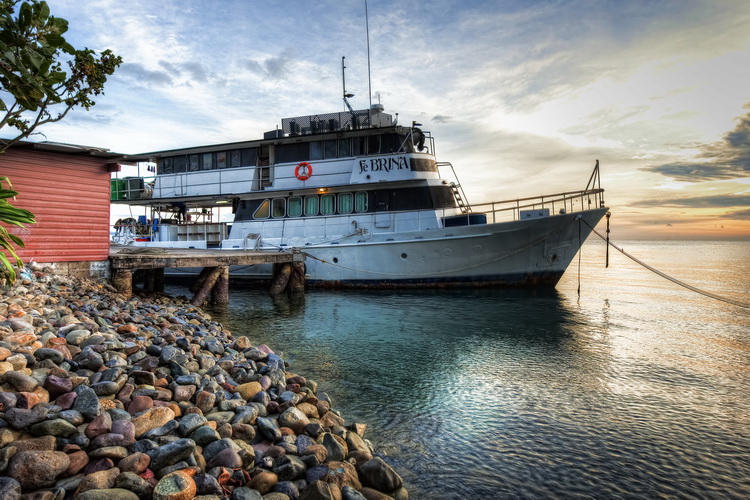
(457, 191)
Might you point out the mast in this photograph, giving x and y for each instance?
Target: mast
(369, 79)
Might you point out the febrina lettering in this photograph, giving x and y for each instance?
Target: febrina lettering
(383, 164)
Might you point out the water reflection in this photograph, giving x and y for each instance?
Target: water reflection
(630, 390)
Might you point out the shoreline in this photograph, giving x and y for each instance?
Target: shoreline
(148, 397)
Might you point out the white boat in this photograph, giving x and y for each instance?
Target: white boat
(364, 198)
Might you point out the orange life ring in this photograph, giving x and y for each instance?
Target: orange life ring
(303, 171)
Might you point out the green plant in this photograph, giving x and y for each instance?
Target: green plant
(14, 216)
(34, 88)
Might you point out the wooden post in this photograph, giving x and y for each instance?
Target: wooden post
(201, 279)
(123, 282)
(281, 273)
(148, 280)
(159, 279)
(220, 291)
(208, 284)
(297, 279)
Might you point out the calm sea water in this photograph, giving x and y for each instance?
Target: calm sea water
(636, 389)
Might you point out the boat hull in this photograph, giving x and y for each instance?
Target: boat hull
(526, 253)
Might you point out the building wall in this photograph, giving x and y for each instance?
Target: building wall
(69, 195)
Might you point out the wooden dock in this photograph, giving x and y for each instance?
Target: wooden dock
(289, 268)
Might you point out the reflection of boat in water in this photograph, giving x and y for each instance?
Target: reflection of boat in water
(364, 198)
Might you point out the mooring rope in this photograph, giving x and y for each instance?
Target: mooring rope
(734, 302)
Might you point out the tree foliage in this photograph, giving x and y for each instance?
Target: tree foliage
(34, 86)
(13, 216)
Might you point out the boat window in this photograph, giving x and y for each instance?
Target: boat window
(358, 146)
(360, 202)
(330, 148)
(248, 156)
(221, 160)
(278, 207)
(327, 204)
(234, 158)
(194, 163)
(263, 211)
(346, 201)
(295, 206)
(345, 148)
(311, 205)
(166, 166)
(316, 150)
(292, 152)
(208, 161)
(373, 145)
(180, 164)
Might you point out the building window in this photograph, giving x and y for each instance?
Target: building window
(346, 201)
(311, 205)
(295, 206)
(263, 211)
(360, 202)
(278, 207)
(327, 204)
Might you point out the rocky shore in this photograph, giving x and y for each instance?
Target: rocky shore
(107, 398)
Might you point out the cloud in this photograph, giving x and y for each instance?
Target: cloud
(275, 68)
(728, 158)
(722, 201)
(139, 73)
(739, 215)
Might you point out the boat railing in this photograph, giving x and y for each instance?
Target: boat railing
(539, 206)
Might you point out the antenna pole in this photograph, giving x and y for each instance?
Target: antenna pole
(343, 78)
(369, 80)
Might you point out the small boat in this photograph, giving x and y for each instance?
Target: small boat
(364, 198)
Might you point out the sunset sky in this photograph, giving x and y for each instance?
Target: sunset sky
(522, 96)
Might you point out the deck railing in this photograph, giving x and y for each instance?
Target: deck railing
(551, 204)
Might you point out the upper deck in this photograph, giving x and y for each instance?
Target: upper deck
(308, 152)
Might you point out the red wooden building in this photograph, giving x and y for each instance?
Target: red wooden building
(67, 188)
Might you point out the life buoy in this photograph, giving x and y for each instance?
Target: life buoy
(303, 171)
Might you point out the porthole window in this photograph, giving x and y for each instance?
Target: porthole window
(360, 202)
(327, 204)
(278, 207)
(263, 211)
(311, 205)
(346, 201)
(295, 206)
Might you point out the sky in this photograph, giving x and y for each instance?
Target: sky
(522, 97)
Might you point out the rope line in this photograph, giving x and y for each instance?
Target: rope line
(734, 302)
